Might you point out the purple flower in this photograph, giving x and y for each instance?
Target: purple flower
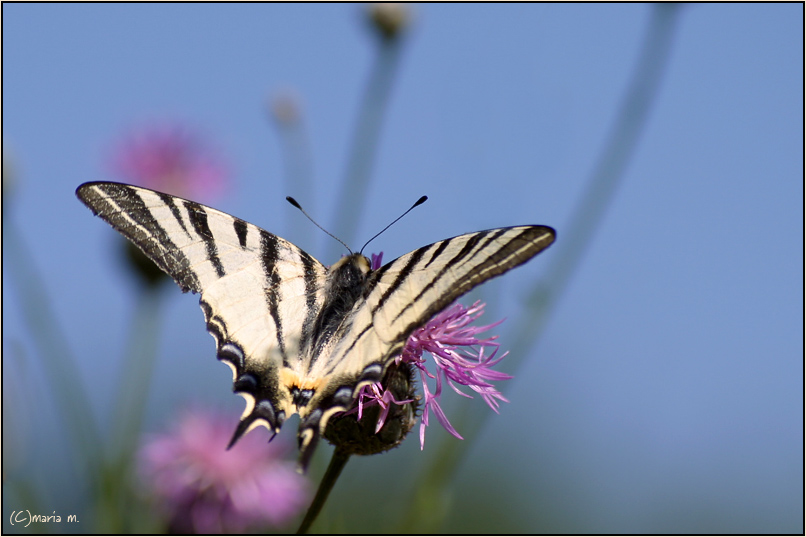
(376, 394)
(204, 488)
(461, 358)
(170, 159)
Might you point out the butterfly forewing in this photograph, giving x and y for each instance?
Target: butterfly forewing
(415, 287)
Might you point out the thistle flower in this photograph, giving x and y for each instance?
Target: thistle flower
(461, 359)
(170, 159)
(204, 488)
(383, 415)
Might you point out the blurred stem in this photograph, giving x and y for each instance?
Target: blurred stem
(60, 367)
(431, 497)
(138, 369)
(23, 492)
(353, 195)
(298, 161)
(619, 147)
(337, 463)
(117, 503)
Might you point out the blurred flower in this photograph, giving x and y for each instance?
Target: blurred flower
(460, 358)
(170, 159)
(389, 18)
(205, 488)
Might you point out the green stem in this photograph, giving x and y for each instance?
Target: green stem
(337, 464)
(609, 170)
(117, 504)
(297, 156)
(619, 147)
(138, 368)
(353, 195)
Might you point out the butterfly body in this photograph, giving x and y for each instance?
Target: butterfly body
(301, 337)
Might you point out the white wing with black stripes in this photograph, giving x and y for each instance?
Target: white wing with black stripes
(300, 337)
(259, 293)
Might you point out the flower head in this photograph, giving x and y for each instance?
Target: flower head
(383, 415)
(205, 488)
(462, 359)
(170, 159)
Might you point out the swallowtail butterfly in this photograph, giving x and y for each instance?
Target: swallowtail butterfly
(301, 337)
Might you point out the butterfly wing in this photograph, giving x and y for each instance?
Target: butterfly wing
(410, 290)
(403, 296)
(259, 293)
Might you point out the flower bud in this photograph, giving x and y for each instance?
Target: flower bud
(389, 18)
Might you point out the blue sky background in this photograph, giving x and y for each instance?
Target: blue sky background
(666, 393)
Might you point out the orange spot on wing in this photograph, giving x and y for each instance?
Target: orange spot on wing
(291, 379)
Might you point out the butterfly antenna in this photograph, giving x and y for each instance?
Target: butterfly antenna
(418, 202)
(296, 204)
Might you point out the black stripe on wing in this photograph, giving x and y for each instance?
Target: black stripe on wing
(404, 273)
(241, 231)
(268, 257)
(122, 207)
(170, 202)
(312, 285)
(477, 244)
(198, 219)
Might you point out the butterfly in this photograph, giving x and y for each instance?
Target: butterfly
(300, 337)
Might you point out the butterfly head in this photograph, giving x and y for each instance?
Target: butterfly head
(352, 265)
